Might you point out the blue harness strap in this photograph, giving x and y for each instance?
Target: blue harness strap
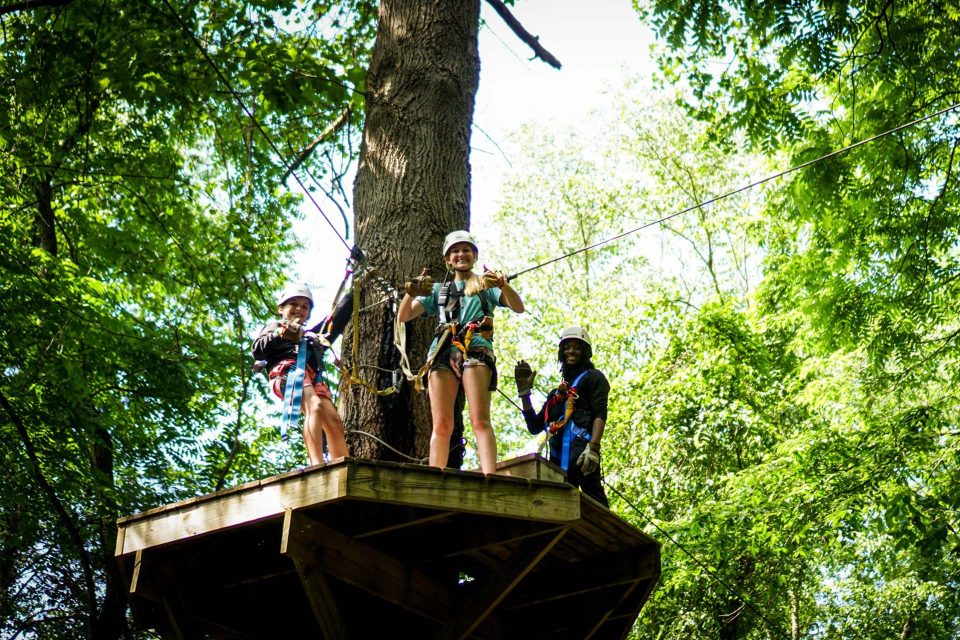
(293, 395)
(570, 431)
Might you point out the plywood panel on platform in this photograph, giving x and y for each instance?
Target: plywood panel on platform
(244, 505)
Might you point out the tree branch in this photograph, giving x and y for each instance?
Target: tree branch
(73, 532)
(532, 41)
(334, 127)
(32, 4)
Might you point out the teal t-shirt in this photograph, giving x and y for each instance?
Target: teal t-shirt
(470, 309)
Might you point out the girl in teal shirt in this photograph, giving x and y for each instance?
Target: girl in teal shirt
(462, 353)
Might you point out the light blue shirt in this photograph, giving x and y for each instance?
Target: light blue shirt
(470, 309)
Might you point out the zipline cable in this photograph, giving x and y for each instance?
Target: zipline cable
(510, 400)
(733, 590)
(253, 119)
(421, 461)
(757, 183)
(387, 445)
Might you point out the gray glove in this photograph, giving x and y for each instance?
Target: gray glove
(589, 460)
(524, 376)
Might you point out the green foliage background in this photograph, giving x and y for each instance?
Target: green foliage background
(144, 230)
(784, 362)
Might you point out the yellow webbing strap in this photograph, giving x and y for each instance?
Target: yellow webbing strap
(351, 378)
(571, 396)
(568, 411)
(400, 342)
(484, 325)
(448, 332)
(467, 339)
(348, 377)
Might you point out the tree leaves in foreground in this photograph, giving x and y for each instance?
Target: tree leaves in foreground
(860, 271)
(144, 228)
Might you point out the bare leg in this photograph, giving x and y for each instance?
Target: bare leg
(443, 393)
(312, 424)
(476, 386)
(332, 425)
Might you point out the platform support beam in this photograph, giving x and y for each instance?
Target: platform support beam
(362, 566)
(324, 607)
(600, 572)
(163, 589)
(521, 562)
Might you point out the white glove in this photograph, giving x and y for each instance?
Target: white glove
(589, 460)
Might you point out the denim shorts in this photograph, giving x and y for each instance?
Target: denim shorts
(452, 359)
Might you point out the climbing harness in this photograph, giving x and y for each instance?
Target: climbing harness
(568, 430)
(294, 392)
(448, 302)
(324, 333)
(449, 330)
(462, 338)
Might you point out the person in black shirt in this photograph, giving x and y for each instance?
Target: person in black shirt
(276, 349)
(575, 413)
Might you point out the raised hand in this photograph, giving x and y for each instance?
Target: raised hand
(422, 285)
(524, 376)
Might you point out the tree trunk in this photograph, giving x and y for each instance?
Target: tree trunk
(412, 188)
(45, 222)
(794, 614)
(111, 619)
(730, 625)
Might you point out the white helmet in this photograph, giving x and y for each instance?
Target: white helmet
(575, 332)
(455, 237)
(299, 290)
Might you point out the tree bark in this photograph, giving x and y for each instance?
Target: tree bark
(111, 618)
(794, 614)
(45, 221)
(412, 188)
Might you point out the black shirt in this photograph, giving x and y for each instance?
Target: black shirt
(593, 391)
(273, 349)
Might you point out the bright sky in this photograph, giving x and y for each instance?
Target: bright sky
(596, 43)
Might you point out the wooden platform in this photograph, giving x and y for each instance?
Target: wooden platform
(362, 549)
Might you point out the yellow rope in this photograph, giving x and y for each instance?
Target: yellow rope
(348, 377)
